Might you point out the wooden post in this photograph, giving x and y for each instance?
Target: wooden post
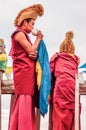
(1, 74)
(77, 104)
(50, 123)
(38, 118)
(11, 103)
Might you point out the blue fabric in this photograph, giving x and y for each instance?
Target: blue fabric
(46, 78)
(83, 66)
(84, 71)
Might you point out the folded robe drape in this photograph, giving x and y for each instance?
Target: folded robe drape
(23, 114)
(64, 67)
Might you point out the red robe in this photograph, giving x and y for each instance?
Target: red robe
(23, 114)
(64, 67)
(23, 109)
(23, 68)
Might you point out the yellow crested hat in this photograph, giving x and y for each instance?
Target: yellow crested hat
(30, 12)
(69, 34)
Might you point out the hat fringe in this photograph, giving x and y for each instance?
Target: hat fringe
(37, 7)
(70, 34)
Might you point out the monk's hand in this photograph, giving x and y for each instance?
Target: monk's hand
(40, 35)
(33, 55)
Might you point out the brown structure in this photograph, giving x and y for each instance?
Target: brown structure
(82, 88)
(7, 87)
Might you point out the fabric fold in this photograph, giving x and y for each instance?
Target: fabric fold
(45, 85)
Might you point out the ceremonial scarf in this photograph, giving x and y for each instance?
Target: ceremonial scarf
(45, 84)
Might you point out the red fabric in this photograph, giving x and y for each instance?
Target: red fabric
(23, 114)
(63, 118)
(64, 67)
(23, 68)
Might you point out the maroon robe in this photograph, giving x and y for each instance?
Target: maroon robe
(23, 109)
(23, 68)
(64, 67)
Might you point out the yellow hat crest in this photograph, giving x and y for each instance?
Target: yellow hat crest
(30, 12)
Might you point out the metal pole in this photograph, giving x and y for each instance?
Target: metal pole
(77, 103)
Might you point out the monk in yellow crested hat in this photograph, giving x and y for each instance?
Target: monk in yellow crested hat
(30, 12)
(24, 55)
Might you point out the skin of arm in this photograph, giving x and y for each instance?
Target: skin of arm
(31, 50)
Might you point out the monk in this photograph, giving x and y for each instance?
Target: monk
(24, 55)
(64, 67)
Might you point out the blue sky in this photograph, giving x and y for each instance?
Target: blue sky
(59, 16)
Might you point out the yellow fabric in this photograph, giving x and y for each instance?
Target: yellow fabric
(71, 54)
(8, 70)
(3, 57)
(39, 74)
